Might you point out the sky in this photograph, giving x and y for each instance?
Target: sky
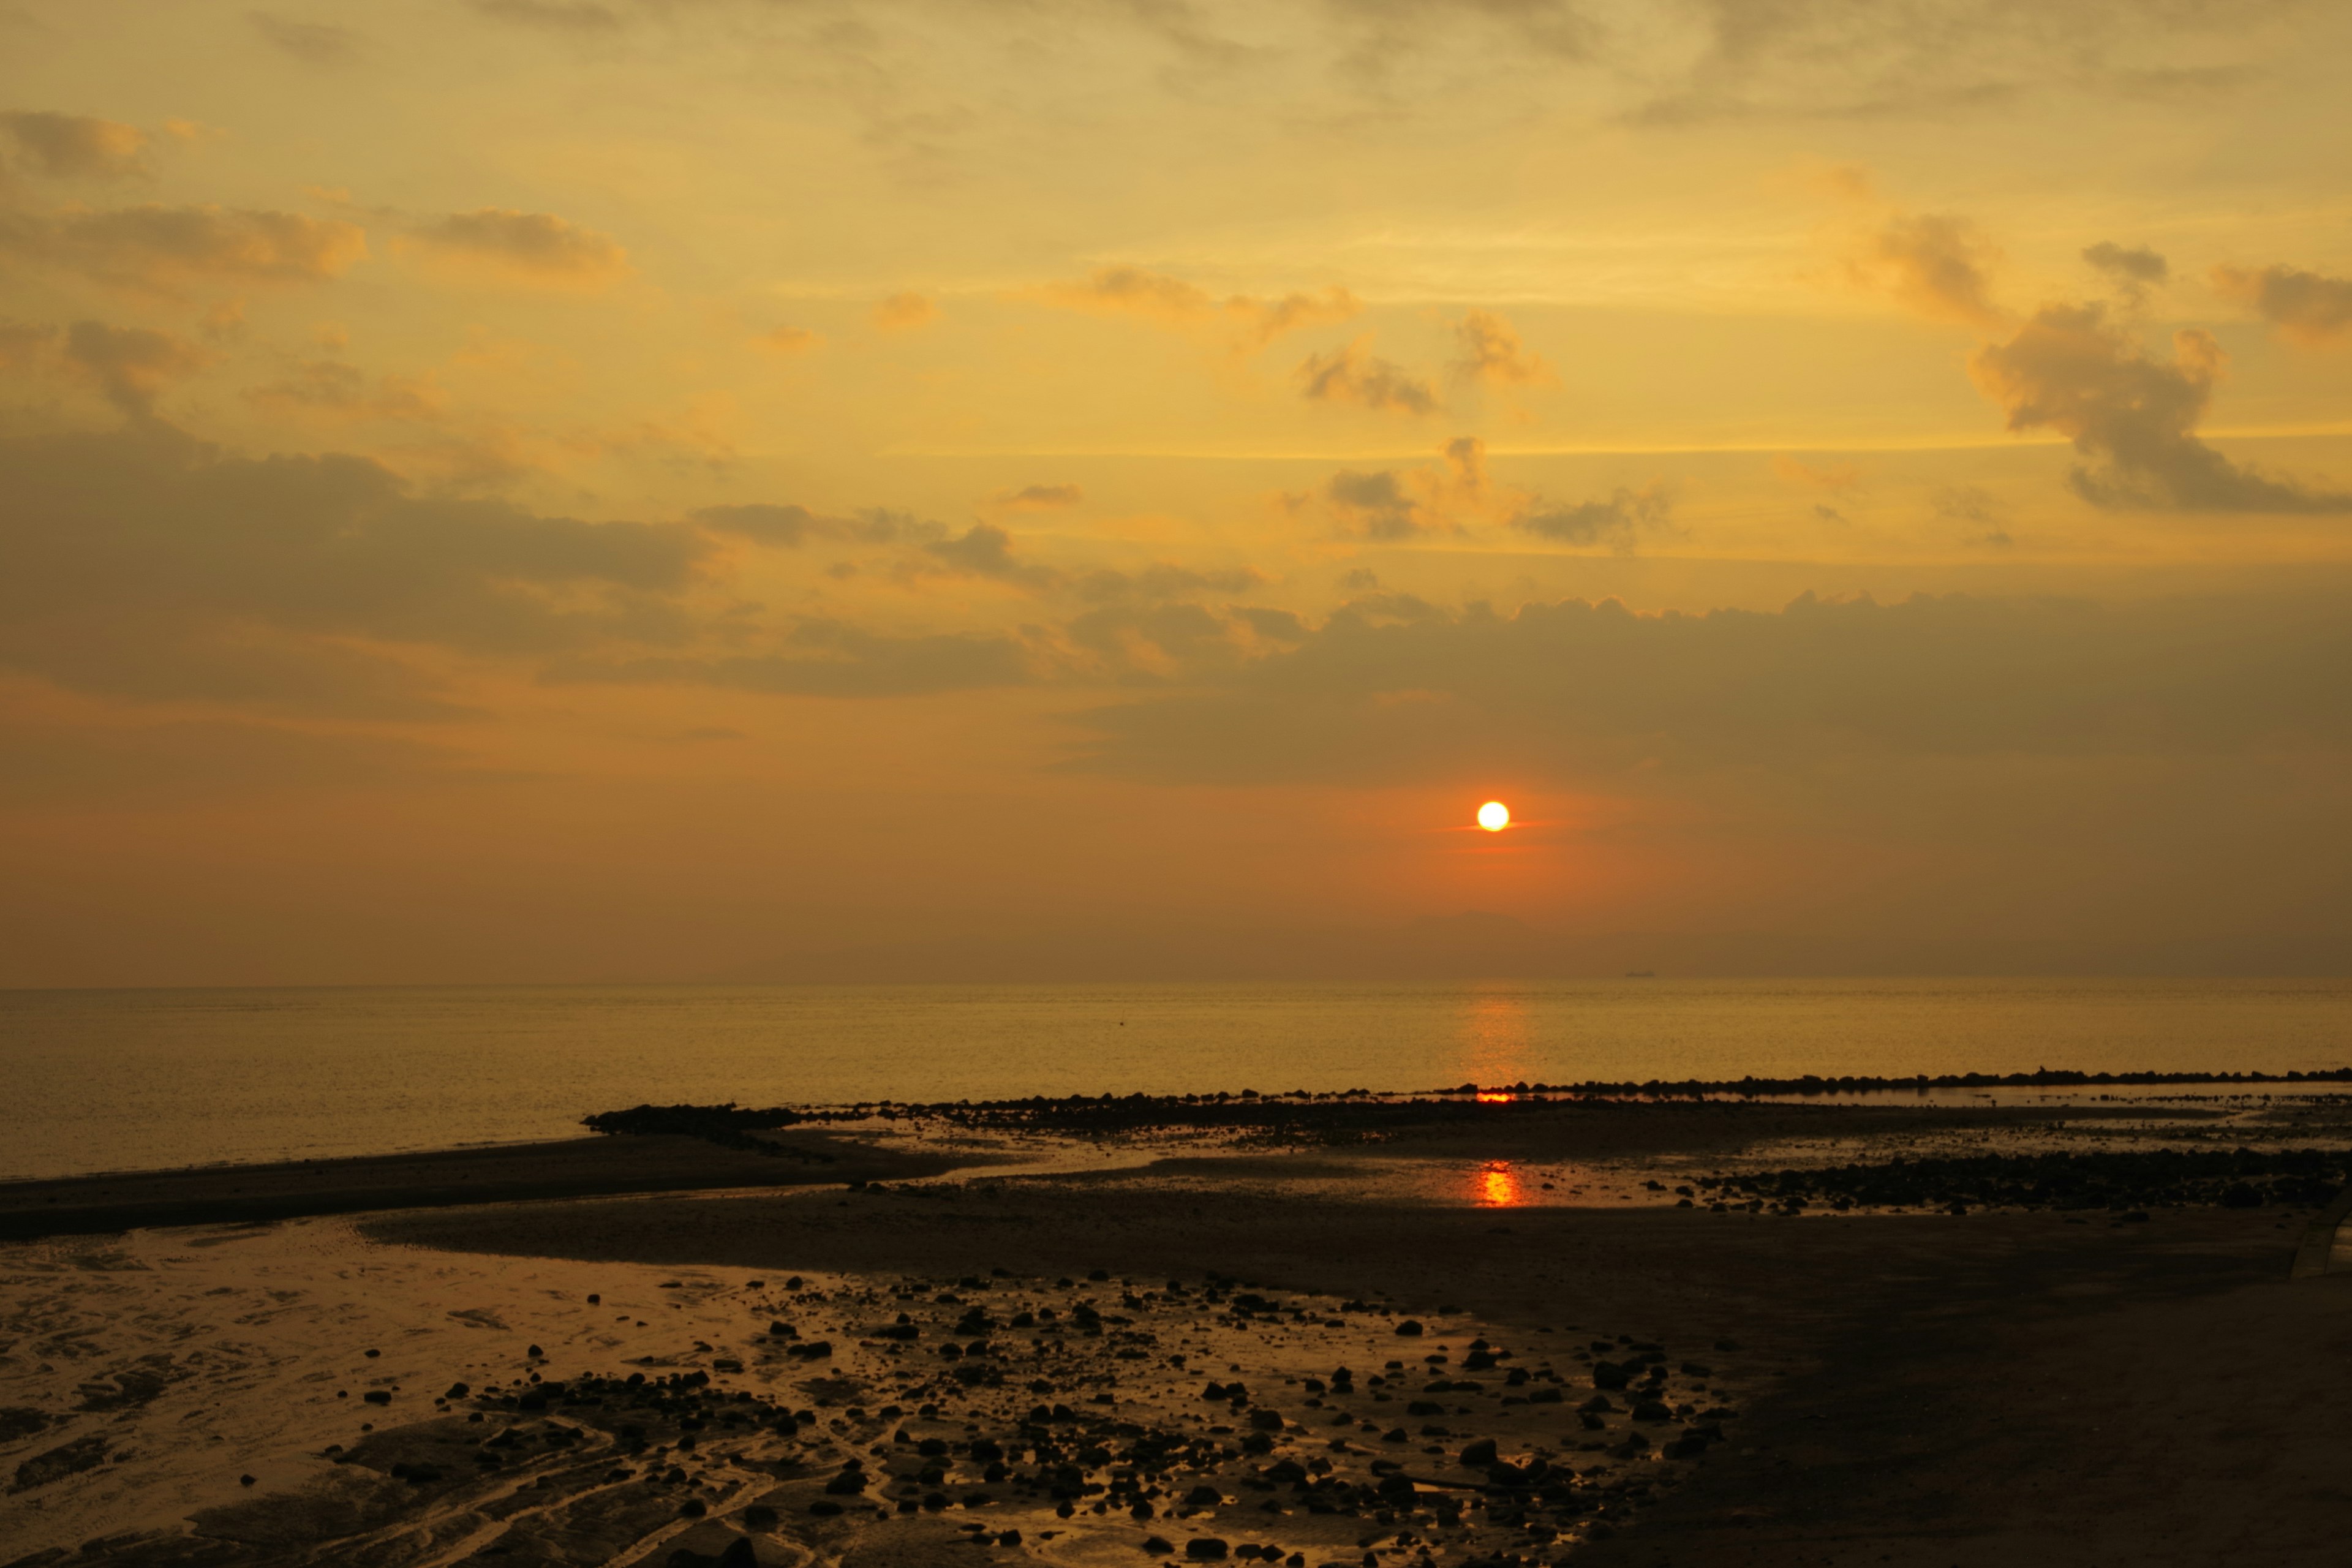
(723, 490)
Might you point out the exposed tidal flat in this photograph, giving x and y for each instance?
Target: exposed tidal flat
(1463, 1328)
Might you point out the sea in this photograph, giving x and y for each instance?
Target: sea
(141, 1079)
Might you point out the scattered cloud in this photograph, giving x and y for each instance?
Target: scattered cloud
(1587, 690)
(537, 250)
(2071, 370)
(2308, 308)
(161, 248)
(76, 147)
(1937, 265)
(1620, 520)
(145, 563)
(563, 15)
(833, 659)
(130, 367)
(905, 312)
(1353, 374)
(2134, 269)
(330, 389)
(313, 43)
(1493, 355)
(1250, 323)
(1376, 504)
(1038, 498)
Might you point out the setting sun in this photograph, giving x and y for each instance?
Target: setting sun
(1494, 817)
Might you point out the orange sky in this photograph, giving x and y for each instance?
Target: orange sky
(677, 490)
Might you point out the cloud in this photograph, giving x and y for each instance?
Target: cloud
(1377, 504)
(2308, 307)
(985, 550)
(2070, 370)
(1493, 355)
(1619, 521)
(563, 15)
(833, 659)
(159, 248)
(330, 389)
(76, 147)
(905, 312)
(1937, 265)
(1164, 580)
(1352, 374)
(1911, 59)
(1584, 692)
(313, 43)
(2134, 269)
(145, 563)
(1250, 323)
(1038, 498)
(131, 365)
(536, 250)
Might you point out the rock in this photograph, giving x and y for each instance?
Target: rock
(782, 1330)
(595, 1299)
(1267, 1420)
(1008, 1537)
(534, 1353)
(1205, 1548)
(823, 1509)
(457, 1391)
(1592, 1423)
(760, 1516)
(1608, 1375)
(1409, 1329)
(1651, 1410)
(1157, 1545)
(1204, 1495)
(377, 1396)
(1478, 1455)
(1598, 1402)
(244, 1480)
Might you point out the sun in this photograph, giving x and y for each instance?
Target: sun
(1494, 817)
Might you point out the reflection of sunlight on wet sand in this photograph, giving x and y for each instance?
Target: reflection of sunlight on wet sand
(1497, 1186)
(1497, 1037)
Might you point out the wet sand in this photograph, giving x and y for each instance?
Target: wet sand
(1910, 1388)
(575, 1167)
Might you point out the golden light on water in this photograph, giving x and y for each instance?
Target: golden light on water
(1497, 1186)
(1494, 817)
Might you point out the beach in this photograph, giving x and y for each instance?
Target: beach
(2036, 1381)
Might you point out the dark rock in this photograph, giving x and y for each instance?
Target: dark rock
(1478, 1455)
(1157, 1545)
(1651, 1410)
(457, 1391)
(1409, 1328)
(377, 1396)
(1204, 1495)
(1608, 1375)
(1205, 1548)
(1267, 1420)
(68, 1459)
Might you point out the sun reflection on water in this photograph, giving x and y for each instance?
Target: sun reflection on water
(1497, 1186)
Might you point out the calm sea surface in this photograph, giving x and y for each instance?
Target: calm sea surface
(125, 1080)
